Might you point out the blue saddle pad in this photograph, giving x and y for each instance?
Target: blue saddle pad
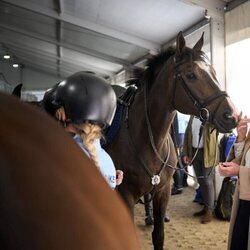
(112, 131)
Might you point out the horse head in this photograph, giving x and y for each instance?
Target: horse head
(196, 89)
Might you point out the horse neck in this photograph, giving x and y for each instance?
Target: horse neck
(160, 112)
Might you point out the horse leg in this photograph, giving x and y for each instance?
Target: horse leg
(148, 204)
(159, 208)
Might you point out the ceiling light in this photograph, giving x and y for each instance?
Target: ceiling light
(15, 65)
(6, 56)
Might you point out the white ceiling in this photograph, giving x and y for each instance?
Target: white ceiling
(61, 37)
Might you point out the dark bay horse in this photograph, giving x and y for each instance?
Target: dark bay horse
(179, 79)
(51, 195)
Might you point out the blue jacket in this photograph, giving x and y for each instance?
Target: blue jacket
(107, 167)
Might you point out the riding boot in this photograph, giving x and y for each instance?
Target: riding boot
(207, 217)
(149, 220)
(178, 178)
(184, 179)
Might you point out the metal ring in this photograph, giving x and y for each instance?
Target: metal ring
(204, 114)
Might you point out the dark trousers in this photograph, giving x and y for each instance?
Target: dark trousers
(241, 227)
(205, 179)
(180, 178)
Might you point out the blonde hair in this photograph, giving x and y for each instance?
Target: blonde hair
(89, 133)
(60, 114)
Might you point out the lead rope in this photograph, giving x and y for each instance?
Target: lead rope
(195, 154)
(199, 141)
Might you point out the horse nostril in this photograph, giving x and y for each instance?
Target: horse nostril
(228, 116)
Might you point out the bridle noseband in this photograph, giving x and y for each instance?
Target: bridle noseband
(201, 106)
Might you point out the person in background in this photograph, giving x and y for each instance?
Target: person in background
(85, 104)
(178, 131)
(201, 147)
(238, 163)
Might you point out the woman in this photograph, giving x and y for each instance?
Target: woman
(238, 163)
(201, 147)
(85, 104)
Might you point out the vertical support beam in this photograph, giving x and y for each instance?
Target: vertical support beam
(218, 59)
(21, 73)
(217, 36)
(58, 47)
(58, 7)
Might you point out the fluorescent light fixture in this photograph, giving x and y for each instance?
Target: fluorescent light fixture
(6, 56)
(15, 65)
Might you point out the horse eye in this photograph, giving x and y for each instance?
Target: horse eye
(191, 76)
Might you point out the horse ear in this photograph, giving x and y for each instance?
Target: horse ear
(180, 44)
(17, 90)
(199, 44)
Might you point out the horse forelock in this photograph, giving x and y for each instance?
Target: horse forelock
(196, 55)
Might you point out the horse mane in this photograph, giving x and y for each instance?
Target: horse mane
(158, 60)
(142, 75)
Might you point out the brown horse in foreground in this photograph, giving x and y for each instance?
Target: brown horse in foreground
(179, 79)
(52, 196)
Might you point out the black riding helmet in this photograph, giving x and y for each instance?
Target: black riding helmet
(86, 97)
(48, 100)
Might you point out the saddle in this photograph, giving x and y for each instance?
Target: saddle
(123, 104)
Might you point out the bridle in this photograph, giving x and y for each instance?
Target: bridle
(204, 116)
(201, 106)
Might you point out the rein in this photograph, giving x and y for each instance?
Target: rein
(155, 178)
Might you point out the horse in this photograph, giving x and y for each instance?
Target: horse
(52, 195)
(17, 91)
(182, 79)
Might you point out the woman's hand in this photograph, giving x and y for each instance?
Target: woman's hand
(119, 177)
(229, 169)
(242, 128)
(185, 159)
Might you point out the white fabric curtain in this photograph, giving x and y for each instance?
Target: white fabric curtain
(237, 22)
